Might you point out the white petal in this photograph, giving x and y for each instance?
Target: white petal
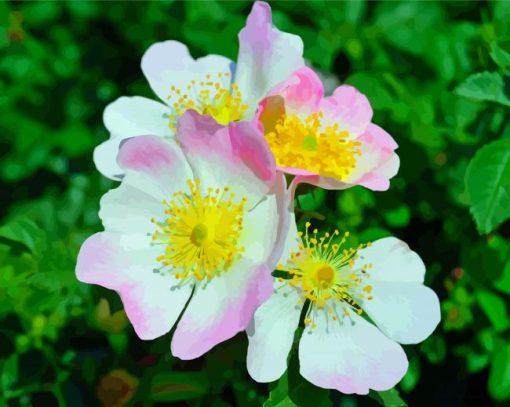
(350, 358)
(271, 334)
(267, 56)
(392, 260)
(406, 312)
(169, 63)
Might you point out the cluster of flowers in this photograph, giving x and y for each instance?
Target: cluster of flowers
(203, 216)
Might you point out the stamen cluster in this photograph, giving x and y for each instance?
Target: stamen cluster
(328, 275)
(306, 143)
(201, 232)
(219, 99)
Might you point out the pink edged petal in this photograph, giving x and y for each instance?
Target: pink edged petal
(126, 263)
(302, 91)
(267, 56)
(350, 357)
(169, 63)
(378, 162)
(250, 145)
(158, 160)
(105, 158)
(349, 108)
(124, 118)
(271, 334)
(218, 157)
(405, 312)
(221, 309)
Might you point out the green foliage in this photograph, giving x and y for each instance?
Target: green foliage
(488, 185)
(437, 76)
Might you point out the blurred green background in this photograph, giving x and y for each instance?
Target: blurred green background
(436, 75)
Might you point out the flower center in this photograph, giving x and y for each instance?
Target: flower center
(328, 275)
(201, 232)
(219, 99)
(308, 144)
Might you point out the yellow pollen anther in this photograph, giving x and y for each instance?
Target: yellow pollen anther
(200, 234)
(330, 278)
(309, 144)
(219, 99)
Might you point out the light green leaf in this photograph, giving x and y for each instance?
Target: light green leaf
(388, 398)
(499, 376)
(495, 309)
(23, 231)
(279, 396)
(488, 185)
(485, 87)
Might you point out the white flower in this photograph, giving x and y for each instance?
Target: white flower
(340, 348)
(212, 85)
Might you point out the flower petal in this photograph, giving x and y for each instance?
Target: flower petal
(159, 160)
(351, 358)
(392, 260)
(405, 312)
(129, 117)
(265, 226)
(169, 63)
(302, 92)
(221, 309)
(267, 56)
(271, 334)
(218, 156)
(125, 263)
(349, 108)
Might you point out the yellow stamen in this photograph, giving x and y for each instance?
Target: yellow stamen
(218, 99)
(327, 275)
(308, 144)
(201, 232)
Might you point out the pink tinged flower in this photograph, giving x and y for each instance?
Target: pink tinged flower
(327, 141)
(339, 348)
(191, 233)
(212, 85)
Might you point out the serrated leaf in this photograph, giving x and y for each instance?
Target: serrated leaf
(485, 87)
(499, 376)
(488, 185)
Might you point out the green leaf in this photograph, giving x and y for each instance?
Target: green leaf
(495, 309)
(279, 395)
(499, 376)
(488, 185)
(485, 87)
(23, 231)
(175, 386)
(388, 398)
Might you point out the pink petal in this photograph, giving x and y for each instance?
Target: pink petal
(156, 158)
(125, 264)
(222, 309)
(236, 155)
(302, 91)
(267, 56)
(349, 108)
